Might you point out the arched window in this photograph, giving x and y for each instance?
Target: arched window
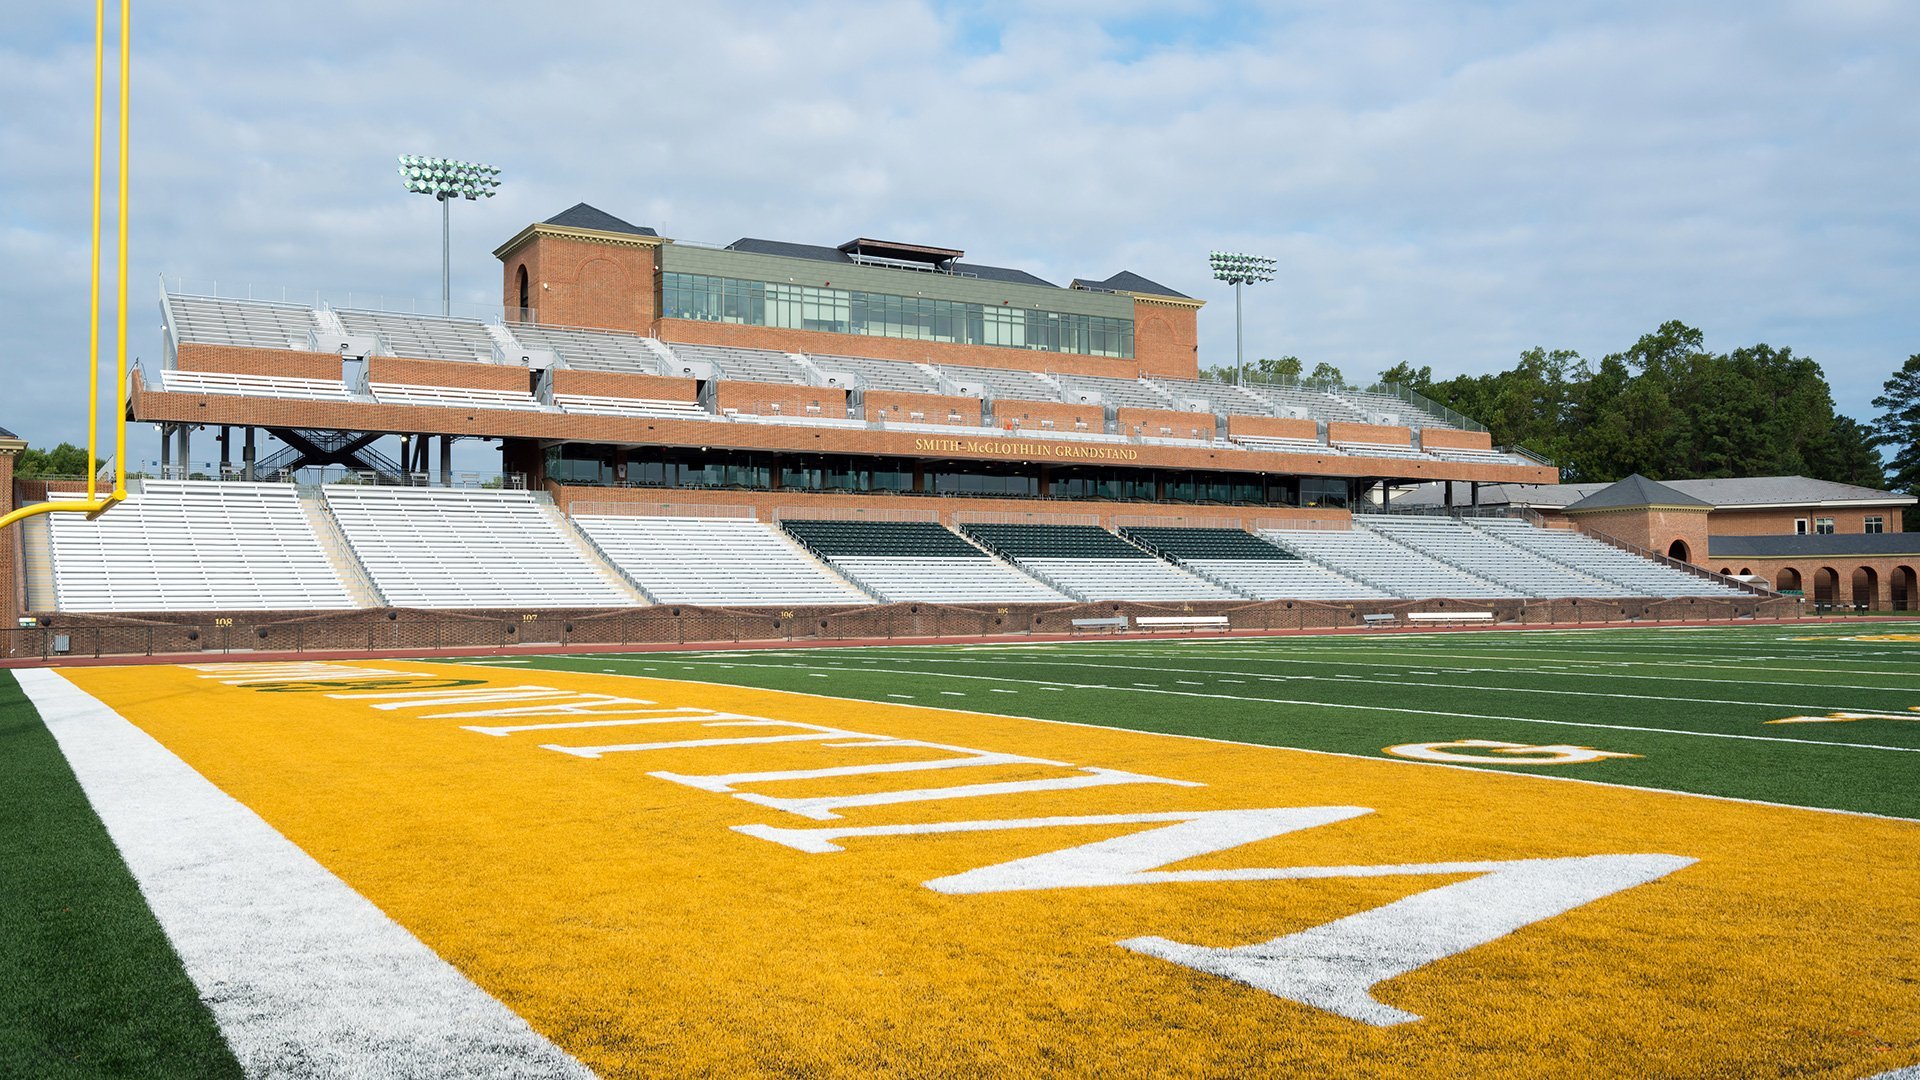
(1679, 550)
(522, 284)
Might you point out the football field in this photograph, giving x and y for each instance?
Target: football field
(1632, 852)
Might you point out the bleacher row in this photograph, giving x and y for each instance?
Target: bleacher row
(260, 324)
(193, 546)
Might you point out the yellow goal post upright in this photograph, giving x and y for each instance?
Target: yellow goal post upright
(96, 503)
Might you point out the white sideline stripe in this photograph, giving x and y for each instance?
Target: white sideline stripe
(304, 976)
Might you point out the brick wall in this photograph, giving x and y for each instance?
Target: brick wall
(1342, 431)
(622, 385)
(1652, 528)
(934, 408)
(1166, 339)
(1165, 423)
(1273, 427)
(1883, 583)
(234, 360)
(759, 399)
(1066, 416)
(1780, 522)
(396, 369)
(579, 281)
(1458, 440)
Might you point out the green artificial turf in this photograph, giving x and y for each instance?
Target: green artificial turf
(1694, 704)
(89, 985)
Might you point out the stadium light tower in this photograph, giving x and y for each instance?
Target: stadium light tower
(1238, 269)
(447, 180)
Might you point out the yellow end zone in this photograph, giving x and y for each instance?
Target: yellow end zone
(905, 896)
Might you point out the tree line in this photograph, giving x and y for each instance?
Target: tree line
(1670, 409)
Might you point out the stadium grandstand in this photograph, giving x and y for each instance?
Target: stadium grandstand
(769, 425)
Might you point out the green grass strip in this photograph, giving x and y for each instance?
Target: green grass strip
(89, 985)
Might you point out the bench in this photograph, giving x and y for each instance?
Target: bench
(1379, 620)
(1450, 616)
(1118, 622)
(1180, 622)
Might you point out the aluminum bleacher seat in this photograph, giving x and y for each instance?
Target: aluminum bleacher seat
(1283, 445)
(253, 324)
(1003, 382)
(467, 548)
(1486, 556)
(1224, 397)
(916, 561)
(183, 545)
(423, 337)
(1601, 559)
(591, 350)
(1124, 393)
(746, 365)
(1090, 563)
(721, 561)
(1305, 402)
(1403, 412)
(1248, 564)
(879, 374)
(596, 405)
(1370, 449)
(454, 397)
(1494, 457)
(1377, 561)
(273, 386)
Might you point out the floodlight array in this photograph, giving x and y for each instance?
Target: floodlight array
(1236, 268)
(444, 178)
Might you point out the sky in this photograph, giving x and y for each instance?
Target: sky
(1445, 184)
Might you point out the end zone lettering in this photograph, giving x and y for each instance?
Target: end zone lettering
(1025, 449)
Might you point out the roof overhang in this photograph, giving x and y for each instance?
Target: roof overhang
(1888, 499)
(1697, 508)
(1167, 301)
(891, 249)
(563, 232)
(12, 445)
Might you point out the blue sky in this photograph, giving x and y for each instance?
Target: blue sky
(1443, 184)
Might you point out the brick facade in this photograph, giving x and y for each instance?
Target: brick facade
(579, 278)
(618, 384)
(765, 399)
(900, 406)
(1166, 338)
(396, 369)
(1166, 423)
(1066, 416)
(234, 360)
(1447, 438)
(1880, 583)
(780, 339)
(1780, 521)
(1384, 434)
(1273, 427)
(1654, 528)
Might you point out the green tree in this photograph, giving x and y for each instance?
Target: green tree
(1285, 367)
(1417, 379)
(1898, 428)
(63, 460)
(1325, 374)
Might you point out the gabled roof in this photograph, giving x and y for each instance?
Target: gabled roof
(5, 434)
(1781, 490)
(1128, 281)
(819, 253)
(582, 216)
(1634, 492)
(1813, 545)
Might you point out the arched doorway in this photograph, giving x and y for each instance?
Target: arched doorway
(1727, 570)
(1679, 550)
(1905, 588)
(1866, 588)
(1790, 580)
(1746, 570)
(521, 285)
(1826, 585)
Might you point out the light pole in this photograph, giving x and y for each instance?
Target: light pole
(1237, 269)
(446, 180)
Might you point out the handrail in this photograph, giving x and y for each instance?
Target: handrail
(1677, 564)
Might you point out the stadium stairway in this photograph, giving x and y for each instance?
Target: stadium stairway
(1089, 563)
(36, 565)
(340, 555)
(1489, 557)
(609, 570)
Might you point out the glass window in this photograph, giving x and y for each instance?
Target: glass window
(1876, 524)
(1799, 526)
(1823, 526)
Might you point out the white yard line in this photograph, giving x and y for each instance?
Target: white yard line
(1057, 684)
(304, 976)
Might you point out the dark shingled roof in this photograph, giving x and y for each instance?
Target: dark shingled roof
(1730, 492)
(1128, 281)
(1813, 545)
(1634, 491)
(5, 434)
(582, 216)
(819, 253)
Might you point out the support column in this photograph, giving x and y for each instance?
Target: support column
(186, 451)
(1476, 494)
(225, 437)
(446, 461)
(1449, 495)
(246, 458)
(166, 449)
